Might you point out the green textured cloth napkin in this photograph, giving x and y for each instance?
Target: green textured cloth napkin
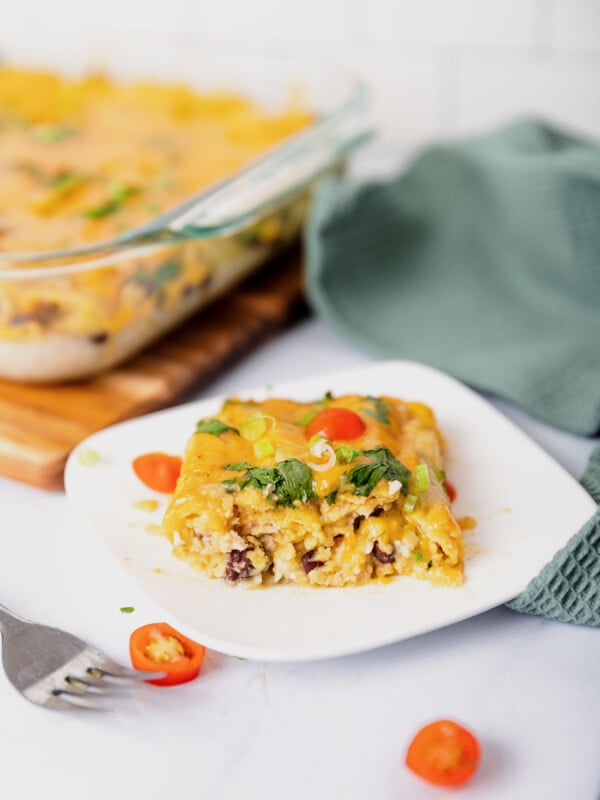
(483, 260)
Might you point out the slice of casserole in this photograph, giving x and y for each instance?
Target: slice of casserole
(337, 492)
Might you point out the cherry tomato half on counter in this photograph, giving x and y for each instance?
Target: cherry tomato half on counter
(160, 648)
(444, 753)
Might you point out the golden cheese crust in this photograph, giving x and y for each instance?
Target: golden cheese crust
(260, 501)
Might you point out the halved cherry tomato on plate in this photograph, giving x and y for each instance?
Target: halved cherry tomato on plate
(158, 471)
(444, 753)
(451, 491)
(337, 424)
(160, 648)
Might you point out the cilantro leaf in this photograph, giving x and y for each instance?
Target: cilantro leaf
(257, 477)
(291, 480)
(382, 464)
(118, 196)
(379, 411)
(295, 482)
(238, 466)
(331, 497)
(214, 426)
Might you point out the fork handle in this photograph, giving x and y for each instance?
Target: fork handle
(9, 621)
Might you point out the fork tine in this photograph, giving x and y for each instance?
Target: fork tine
(83, 685)
(78, 700)
(57, 703)
(113, 670)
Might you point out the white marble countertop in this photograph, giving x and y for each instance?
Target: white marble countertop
(333, 729)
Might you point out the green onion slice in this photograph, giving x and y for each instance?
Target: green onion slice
(421, 478)
(410, 503)
(263, 448)
(345, 454)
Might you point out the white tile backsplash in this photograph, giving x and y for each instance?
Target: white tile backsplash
(492, 92)
(453, 23)
(575, 25)
(405, 95)
(436, 67)
(274, 21)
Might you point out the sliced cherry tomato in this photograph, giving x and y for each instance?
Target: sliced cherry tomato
(451, 491)
(444, 753)
(159, 471)
(160, 648)
(337, 424)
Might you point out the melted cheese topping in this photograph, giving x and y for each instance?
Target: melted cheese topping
(82, 160)
(243, 534)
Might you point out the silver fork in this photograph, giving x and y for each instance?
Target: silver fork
(55, 669)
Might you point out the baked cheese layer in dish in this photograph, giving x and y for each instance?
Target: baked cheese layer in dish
(84, 159)
(338, 492)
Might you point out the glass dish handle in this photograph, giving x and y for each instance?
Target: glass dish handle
(270, 181)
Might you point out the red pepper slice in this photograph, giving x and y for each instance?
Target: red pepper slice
(338, 424)
(158, 471)
(160, 648)
(444, 753)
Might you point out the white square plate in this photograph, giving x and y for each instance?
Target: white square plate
(525, 504)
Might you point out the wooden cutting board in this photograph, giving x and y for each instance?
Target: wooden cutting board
(40, 425)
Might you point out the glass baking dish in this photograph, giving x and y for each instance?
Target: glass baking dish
(68, 314)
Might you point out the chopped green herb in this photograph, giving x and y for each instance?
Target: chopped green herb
(331, 497)
(379, 411)
(53, 135)
(31, 169)
(440, 475)
(290, 481)
(238, 466)
(117, 197)
(153, 282)
(230, 484)
(418, 556)
(127, 609)
(166, 272)
(421, 479)
(103, 210)
(382, 464)
(297, 482)
(257, 477)
(345, 454)
(327, 397)
(214, 427)
(429, 564)
(65, 181)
